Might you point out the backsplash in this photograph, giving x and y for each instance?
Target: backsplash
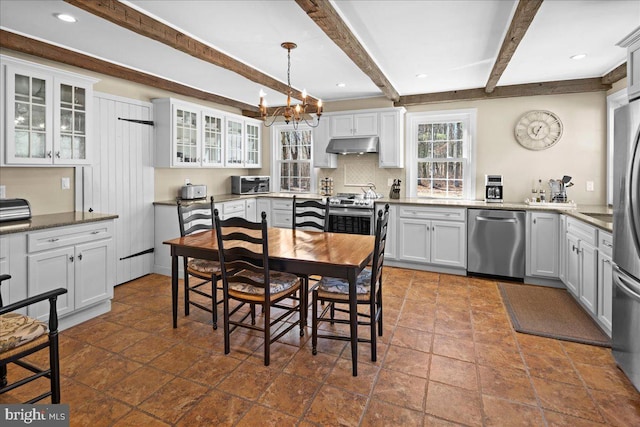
(355, 170)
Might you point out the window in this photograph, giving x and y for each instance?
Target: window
(292, 154)
(440, 161)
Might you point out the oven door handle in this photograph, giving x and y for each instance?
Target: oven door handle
(359, 213)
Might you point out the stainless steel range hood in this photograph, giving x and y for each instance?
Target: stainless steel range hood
(367, 144)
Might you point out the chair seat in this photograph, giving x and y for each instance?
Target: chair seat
(17, 330)
(280, 283)
(203, 266)
(332, 287)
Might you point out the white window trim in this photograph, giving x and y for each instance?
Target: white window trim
(615, 100)
(275, 156)
(469, 117)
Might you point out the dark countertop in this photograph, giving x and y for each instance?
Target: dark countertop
(578, 212)
(41, 222)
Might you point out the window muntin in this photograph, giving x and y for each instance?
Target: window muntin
(295, 159)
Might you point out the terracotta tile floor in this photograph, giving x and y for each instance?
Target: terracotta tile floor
(448, 357)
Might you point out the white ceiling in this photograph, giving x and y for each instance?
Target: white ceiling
(454, 42)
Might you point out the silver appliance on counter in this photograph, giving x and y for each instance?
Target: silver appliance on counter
(192, 192)
(14, 210)
(558, 189)
(493, 189)
(626, 241)
(496, 242)
(249, 184)
(351, 213)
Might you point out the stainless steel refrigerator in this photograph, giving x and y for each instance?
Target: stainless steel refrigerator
(626, 241)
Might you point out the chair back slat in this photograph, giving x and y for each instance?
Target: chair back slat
(241, 249)
(195, 217)
(380, 243)
(305, 209)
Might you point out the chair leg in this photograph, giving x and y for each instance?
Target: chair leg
(314, 322)
(214, 300)
(55, 367)
(186, 288)
(304, 308)
(379, 302)
(253, 313)
(225, 305)
(373, 324)
(266, 309)
(3, 376)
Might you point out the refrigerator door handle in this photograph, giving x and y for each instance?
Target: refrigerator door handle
(634, 193)
(625, 285)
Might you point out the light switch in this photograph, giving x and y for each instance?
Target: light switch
(3, 191)
(590, 186)
(66, 184)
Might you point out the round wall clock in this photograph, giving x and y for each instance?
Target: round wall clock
(538, 129)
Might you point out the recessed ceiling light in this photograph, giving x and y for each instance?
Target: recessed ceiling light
(421, 75)
(65, 17)
(579, 56)
(341, 85)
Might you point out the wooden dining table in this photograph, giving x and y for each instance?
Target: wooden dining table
(296, 251)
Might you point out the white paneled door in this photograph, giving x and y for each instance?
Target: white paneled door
(120, 180)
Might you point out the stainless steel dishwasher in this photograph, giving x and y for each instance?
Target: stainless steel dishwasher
(495, 242)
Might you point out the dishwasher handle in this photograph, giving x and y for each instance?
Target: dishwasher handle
(493, 219)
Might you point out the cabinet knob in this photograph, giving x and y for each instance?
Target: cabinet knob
(55, 239)
(58, 154)
(80, 257)
(573, 249)
(71, 258)
(49, 154)
(534, 220)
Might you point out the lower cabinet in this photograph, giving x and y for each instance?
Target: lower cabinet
(605, 279)
(231, 209)
(426, 235)
(251, 213)
(391, 246)
(78, 258)
(281, 213)
(543, 246)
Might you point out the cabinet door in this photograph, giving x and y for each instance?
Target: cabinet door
(543, 256)
(572, 275)
(51, 270)
(391, 250)
(588, 276)
(235, 142)
(365, 124)
(414, 243)
(252, 157)
(94, 272)
(562, 271)
(71, 122)
(391, 153)
(263, 205)
(322, 159)
(605, 289)
(633, 70)
(342, 125)
(212, 136)
(448, 243)
(28, 119)
(251, 213)
(186, 125)
(281, 218)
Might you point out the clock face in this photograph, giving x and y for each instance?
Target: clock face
(538, 130)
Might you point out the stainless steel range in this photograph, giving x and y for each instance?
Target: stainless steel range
(351, 213)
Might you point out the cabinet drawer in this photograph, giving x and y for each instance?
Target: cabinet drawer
(582, 231)
(66, 236)
(433, 213)
(282, 204)
(230, 208)
(605, 243)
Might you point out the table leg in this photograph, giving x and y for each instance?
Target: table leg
(353, 321)
(174, 289)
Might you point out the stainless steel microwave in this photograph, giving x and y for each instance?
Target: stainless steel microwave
(249, 184)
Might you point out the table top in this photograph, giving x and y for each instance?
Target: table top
(315, 247)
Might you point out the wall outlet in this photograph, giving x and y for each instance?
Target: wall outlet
(3, 191)
(590, 186)
(66, 183)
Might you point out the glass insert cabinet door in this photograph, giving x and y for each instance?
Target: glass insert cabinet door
(235, 139)
(29, 127)
(186, 125)
(212, 141)
(252, 152)
(71, 136)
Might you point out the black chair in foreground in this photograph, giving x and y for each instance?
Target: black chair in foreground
(21, 336)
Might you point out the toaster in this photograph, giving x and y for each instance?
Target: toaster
(190, 192)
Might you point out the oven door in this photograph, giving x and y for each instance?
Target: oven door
(351, 220)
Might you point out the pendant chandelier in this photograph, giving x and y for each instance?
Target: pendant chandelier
(291, 114)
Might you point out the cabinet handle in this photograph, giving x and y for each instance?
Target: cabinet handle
(80, 257)
(607, 244)
(71, 258)
(55, 239)
(574, 248)
(95, 232)
(534, 220)
(433, 228)
(607, 261)
(58, 154)
(49, 154)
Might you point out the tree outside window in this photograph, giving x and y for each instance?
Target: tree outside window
(295, 160)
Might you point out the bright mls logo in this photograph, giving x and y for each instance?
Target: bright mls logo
(35, 415)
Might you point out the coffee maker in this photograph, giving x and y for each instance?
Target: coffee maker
(493, 190)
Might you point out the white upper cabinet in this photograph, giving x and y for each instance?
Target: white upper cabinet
(632, 43)
(47, 115)
(358, 124)
(190, 135)
(322, 159)
(391, 153)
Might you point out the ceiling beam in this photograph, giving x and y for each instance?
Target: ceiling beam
(133, 20)
(524, 14)
(44, 50)
(530, 89)
(618, 73)
(326, 17)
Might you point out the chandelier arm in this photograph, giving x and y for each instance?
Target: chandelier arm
(274, 117)
(317, 123)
